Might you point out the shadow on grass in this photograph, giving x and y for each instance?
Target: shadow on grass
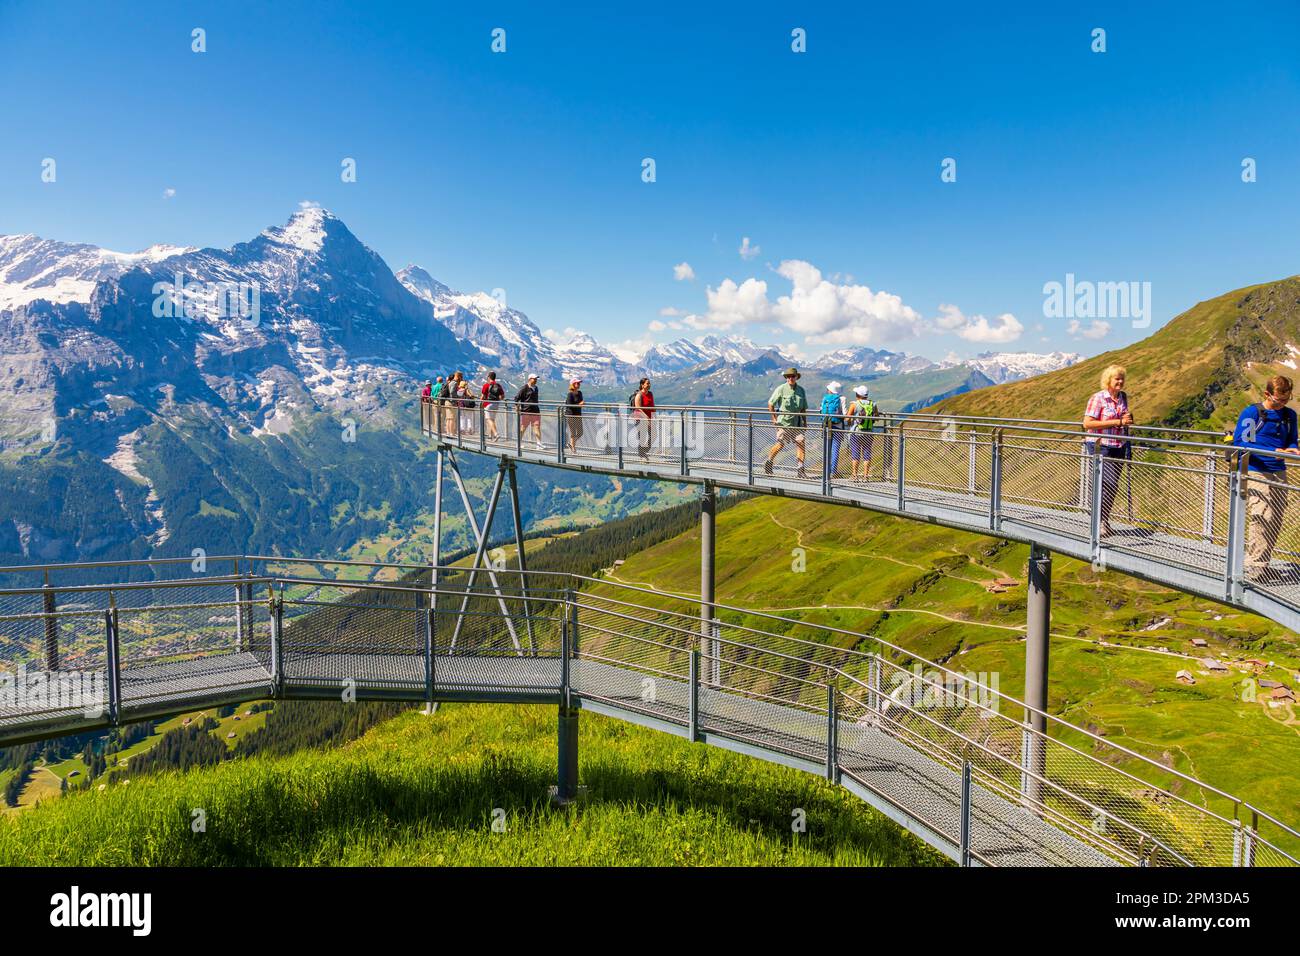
(276, 817)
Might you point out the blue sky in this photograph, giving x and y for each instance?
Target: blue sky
(523, 170)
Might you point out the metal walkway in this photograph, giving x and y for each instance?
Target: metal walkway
(1178, 517)
(953, 761)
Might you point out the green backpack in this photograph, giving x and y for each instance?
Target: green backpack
(866, 420)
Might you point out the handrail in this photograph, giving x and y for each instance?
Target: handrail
(580, 600)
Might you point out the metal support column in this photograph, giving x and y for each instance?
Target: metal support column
(965, 813)
(693, 704)
(523, 560)
(708, 534)
(277, 643)
(995, 481)
(481, 541)
(51, 626)
(114, 662)
(1036, 653)
(568, 753)
(902, 489)
(832, 734)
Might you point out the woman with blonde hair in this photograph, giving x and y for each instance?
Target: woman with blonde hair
(1108, 419)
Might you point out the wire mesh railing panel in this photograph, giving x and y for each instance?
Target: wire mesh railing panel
(1272, 534)
(947, 466)
(178, 642)
(768, 708)
(1169, 508)
(353, 637)
(53, 666)
(1046, 487)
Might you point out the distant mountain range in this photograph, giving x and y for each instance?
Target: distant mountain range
(259, 397)
(515, 344)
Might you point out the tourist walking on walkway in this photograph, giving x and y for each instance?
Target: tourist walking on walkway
(493, 393)
(1108, 419)
(1268, 426)
(861, 419)
(789, 407)
(643, 410)
(573, 402)
(833, 410)
(530, 413)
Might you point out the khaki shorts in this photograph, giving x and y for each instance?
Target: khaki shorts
(789, 433)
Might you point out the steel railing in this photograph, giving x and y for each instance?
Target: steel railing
(1177, 507)
(957, 756)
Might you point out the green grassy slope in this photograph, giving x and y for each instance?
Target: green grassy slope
(421, 790)
(921, 587)
(1198, 369)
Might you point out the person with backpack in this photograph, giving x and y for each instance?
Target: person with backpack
(1108, 418)
(448, 399)
(493, 393)
(530, 413)
(573, 402)
(643, 409)
(788, 405)
(1266, 426)
(465, 402)
(861, 420)
(833, 410)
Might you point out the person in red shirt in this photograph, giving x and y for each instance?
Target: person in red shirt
(493, 392)
(643, 409)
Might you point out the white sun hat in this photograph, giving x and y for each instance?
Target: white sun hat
(860, 391)
(833, 387)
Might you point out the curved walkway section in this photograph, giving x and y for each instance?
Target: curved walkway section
(952, 760)
(1177, 509)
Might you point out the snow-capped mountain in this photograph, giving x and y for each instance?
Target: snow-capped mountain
(208, 398)
(998, 367)
(1010, 366)
(507, 337)
(863, 362)
(686, 353)
(33, 268)
(581, 356)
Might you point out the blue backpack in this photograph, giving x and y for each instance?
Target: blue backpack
(831, 410)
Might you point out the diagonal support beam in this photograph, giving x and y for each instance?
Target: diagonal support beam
(481, 538)
(523, 564)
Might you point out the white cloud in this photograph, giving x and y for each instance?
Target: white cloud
(827, 313)
(976, 328)
(168, 193)
(657, 326)
(747, 251)
(632, 349)
(731, 304)
(671, 312)
(309, 204)
(562, 338)
(1096, 329)
(683, 272)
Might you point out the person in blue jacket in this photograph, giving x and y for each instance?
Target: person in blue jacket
(1266, 427)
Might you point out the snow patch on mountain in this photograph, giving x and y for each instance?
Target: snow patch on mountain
(33, 268)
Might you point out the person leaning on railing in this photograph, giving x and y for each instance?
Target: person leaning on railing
(1267, 426)
(1108, 418)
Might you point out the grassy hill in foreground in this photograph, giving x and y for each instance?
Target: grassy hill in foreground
(1117, 643)
(1199, 369)
(420, 790)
